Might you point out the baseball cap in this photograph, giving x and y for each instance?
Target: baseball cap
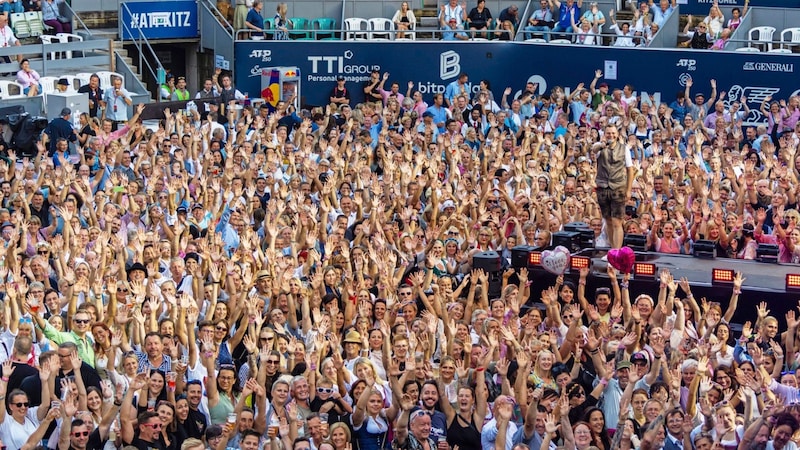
(66, 112)
(624, 364)
(340, 78)
(603, 84)
(639, 357)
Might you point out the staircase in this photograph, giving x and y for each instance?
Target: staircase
(427, 20)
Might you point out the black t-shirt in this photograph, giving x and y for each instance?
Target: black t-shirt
(95, 95)
(94, 442)
(479, 18)
(343, 93)
(21, 371)
(144, 445)
(195, 425)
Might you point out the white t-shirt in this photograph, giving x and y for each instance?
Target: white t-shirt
(15, 434)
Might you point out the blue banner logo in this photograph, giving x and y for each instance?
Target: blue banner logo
(160, 20)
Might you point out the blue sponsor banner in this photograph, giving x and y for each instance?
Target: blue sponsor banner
(159, 20)
(703, 6)
(661, 73)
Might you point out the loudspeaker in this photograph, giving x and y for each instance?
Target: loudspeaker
(704, 249)
(571, 240)
(519, 256)
(488, 261)
(637, 242)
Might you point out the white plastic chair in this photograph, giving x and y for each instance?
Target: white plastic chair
(763, 35)
(84, 77)
(10, 89)
(781, 50)
(748, 50)
(48, 84)
(49, 40)
(67, 38)
(356, 28)
(20, 25)
(381, 29)
(794, 37)
(536, 40)
(561, 41)
(106, 77)
(410, 34)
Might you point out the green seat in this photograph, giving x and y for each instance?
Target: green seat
(269, 28)
(299, 23)
(325, 24)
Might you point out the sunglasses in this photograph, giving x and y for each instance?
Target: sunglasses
(155, 426)
(221, 329)
(273, 361)
(81, 321)
(81, 434)
(21, 404)
(323, 390)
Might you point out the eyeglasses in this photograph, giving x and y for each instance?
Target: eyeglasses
(273, 361)
(43, 252)
(323, 390)
(21, 404)
(81, 434)
(81, 321)
(221, 329)
(155, 426)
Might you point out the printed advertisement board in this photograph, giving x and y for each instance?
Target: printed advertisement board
(159, 20)
(433, 65)
(702, 6)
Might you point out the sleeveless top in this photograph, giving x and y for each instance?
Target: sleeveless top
(219, 413)
(369, 435)
(466, 437)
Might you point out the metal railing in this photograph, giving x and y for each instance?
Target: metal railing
(76, 16)
(523, 21)
(216, 33)
(141, 43)
(95, 53)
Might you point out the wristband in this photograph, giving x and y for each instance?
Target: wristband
(582, 282)
(737, 291)
(604, 382)
(623, 285)
(4, 379)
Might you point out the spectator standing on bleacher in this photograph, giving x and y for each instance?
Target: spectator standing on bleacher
(52, 17)
(254, 19)
(60, 128)
(181, 93)
(566, 9)
(453, 10)
(507, 23)
(117, 102)
(662, 11)
(95, 94)
(168, 87)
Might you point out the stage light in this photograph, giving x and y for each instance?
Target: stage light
(704, 249)
(722, 276)
(579, 262)
(535, 259)
(767, 253)
(644, 270)
(793, 282)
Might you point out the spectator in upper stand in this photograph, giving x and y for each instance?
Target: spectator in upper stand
(453, 31)
(7, 38)
(480, 18)
(95, 94)
(541, 20)
(594, 16)
(564, 8)
(168, 87)
(254, 20)
(507, 23)
(645, 17)
(117, 102)
(181, 93)
(715, 20)
(28, 78)
(662, 10)
(736, 17)
(52, 17)
(403, 19)
(586, 33)
(453, 10)
(699, 38)
(624, 32)
(12, 7)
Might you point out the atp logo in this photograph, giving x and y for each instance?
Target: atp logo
(449, 65)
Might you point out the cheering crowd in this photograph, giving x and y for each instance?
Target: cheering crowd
(242, 278)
